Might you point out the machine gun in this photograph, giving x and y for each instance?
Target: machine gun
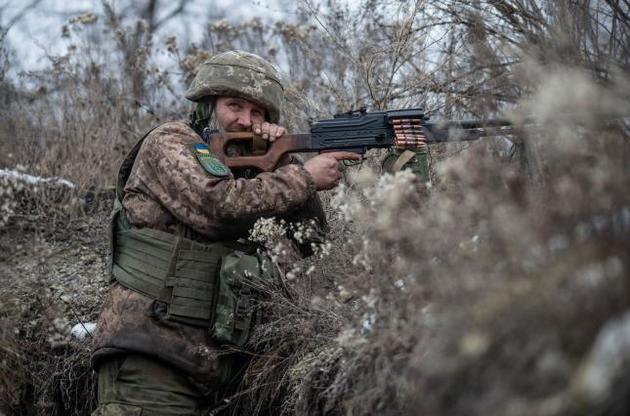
(356, 131)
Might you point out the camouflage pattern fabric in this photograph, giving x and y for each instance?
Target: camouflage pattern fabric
(131, 322)
(239, 74)
(167, 187)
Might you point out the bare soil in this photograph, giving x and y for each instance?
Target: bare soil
(53, 275)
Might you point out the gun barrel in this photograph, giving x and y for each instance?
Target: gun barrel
(466, 130)
(482, 124)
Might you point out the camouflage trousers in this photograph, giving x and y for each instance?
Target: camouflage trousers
(137, 385)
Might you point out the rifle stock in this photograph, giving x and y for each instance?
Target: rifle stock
(266, 161)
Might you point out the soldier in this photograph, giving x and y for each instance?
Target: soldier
(180, 265)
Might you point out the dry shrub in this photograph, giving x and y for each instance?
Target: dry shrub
(496, 289)
(70, 122)
(52, 263)
(483, 293)
(78, 117)
(44, 370)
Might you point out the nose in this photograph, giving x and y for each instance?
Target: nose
(245, 119)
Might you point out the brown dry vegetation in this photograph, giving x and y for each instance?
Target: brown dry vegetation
(501, 287)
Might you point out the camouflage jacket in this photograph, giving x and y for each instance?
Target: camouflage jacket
(167, 187)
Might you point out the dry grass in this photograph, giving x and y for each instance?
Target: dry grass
(495, 289)
(483, 295)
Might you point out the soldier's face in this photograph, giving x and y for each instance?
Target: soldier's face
(238, 114)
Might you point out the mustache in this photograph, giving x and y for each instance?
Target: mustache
(237, 129)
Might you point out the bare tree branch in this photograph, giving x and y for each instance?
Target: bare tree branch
(173, 13)
(18, 16)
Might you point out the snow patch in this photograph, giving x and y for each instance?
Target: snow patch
(35, 180)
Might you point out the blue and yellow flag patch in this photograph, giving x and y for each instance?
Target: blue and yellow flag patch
(209, 162)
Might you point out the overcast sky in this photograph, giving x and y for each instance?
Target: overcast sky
(40, 29)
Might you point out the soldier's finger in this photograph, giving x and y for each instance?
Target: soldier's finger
(273, 132)
(281, 131)
(343, 155)
(265, 130)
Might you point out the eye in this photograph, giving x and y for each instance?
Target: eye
(234, 106)
(257, 113)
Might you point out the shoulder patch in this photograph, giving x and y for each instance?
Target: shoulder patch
(209, 162)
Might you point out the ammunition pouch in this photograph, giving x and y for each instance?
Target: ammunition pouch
(416, 160)
(240, 279)
(213, 285)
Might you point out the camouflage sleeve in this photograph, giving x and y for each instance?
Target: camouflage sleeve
(167, 170)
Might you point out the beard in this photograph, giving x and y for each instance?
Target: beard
(233, 149)
(214, 125)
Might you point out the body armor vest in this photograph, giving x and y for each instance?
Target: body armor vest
(207, 284)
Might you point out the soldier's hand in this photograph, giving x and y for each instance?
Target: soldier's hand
(269, 131)
(324, 168)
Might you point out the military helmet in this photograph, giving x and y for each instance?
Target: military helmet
(239, 74)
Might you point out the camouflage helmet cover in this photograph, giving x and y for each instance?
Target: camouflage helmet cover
(239, 74)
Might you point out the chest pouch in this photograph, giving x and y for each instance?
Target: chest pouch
(242, 282)
(215, 285)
